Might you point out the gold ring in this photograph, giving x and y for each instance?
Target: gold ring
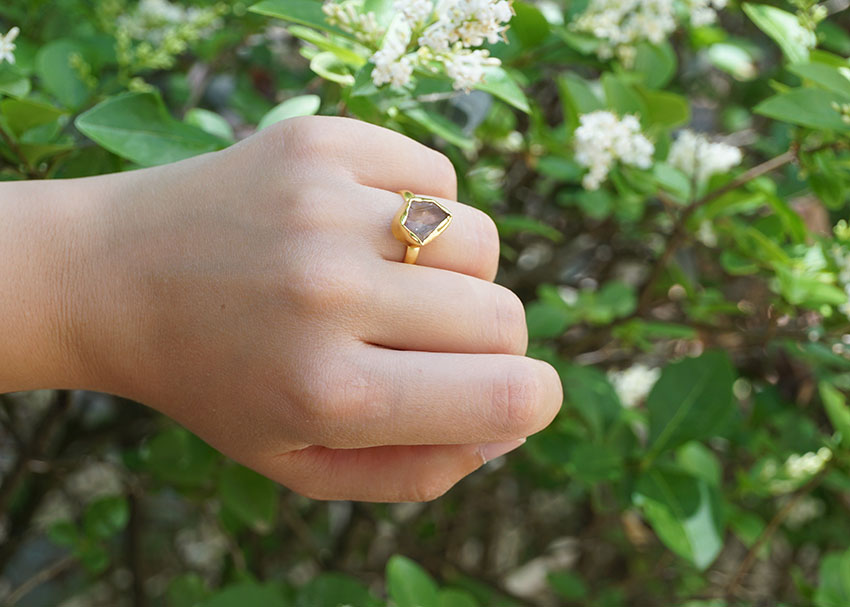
(419, 221)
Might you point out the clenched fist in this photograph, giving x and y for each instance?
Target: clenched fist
(257, 296)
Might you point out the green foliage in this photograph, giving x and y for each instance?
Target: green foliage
(699, 323)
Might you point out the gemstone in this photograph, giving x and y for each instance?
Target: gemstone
(423, 218)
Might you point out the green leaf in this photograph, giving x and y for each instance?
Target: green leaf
(589, 391)
(579, 95)
(24, 114)
(529, 24)
(735, 59)
(53, 67)
(106, 517)
(408, 585)
(691, 400)
(335, 590)
(684, 511)
(137, 126)
(64, 533)
(305, 12)
(251, 497)
(546, 320)
(700, 461)
(451, 597)
(594, 463)
(836, 409)
(94, 557)
(621, 97)
(212, 123)
(330, 67)
(178, 457)
(514, 224)
(302, 105)
(500, 84)
(329, 42)
(13, 83)
(440, 126)
(246, 594)
(657, 64)
(834, 580)
(813, 108)
(664, 108)
(783, 27)
(802, 288)
(830, 77)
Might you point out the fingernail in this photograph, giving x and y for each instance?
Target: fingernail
(491, 451)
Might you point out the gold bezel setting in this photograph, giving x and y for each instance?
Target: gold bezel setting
(407, 236)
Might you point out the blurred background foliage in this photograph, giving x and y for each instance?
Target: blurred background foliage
(694, 300)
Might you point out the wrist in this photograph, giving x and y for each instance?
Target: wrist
(45, 232)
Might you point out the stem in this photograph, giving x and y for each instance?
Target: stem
(36, 446)
(771, 528)
(679, 228)
(46, 574)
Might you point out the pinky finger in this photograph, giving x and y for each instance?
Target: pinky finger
(417, 473)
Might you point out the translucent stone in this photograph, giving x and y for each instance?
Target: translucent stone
(423, 218)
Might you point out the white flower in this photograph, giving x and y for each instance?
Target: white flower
(803, 466)
(633, 384)
(621, 24)
(697, 157)
(416, 12)
(602, 139)
(447, 34)
(7, 45)
(391, 63)
(466, 69)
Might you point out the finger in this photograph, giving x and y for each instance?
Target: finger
(426, 309)
(376, 156)
(382, 474)
(470, 245)
(400, 397)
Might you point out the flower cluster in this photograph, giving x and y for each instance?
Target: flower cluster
(794, 471)
(349, 17)
(621, 24)
(157, 31)
(633, 384)
(7, 45)
(697, 157)
(424, 35)
(603, 139)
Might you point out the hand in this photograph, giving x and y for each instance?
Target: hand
(256, 296)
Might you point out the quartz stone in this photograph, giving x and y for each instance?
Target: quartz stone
(423, 218)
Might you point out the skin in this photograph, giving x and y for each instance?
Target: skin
(256, 296)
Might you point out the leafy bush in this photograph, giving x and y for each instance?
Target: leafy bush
(671, 182)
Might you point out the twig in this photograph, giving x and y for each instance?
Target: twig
(771, 528)
(679, 229)
(46, 574)
(36, 447)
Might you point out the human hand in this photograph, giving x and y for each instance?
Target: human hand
(256, 296)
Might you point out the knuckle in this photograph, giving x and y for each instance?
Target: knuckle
(515, 398)
(348, 399)
(511, 332)
(308, 134)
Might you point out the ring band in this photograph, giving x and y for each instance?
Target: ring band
(419, 221)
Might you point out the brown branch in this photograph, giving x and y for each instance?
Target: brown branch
(46, 574)
(36, 447)
(771, 528)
